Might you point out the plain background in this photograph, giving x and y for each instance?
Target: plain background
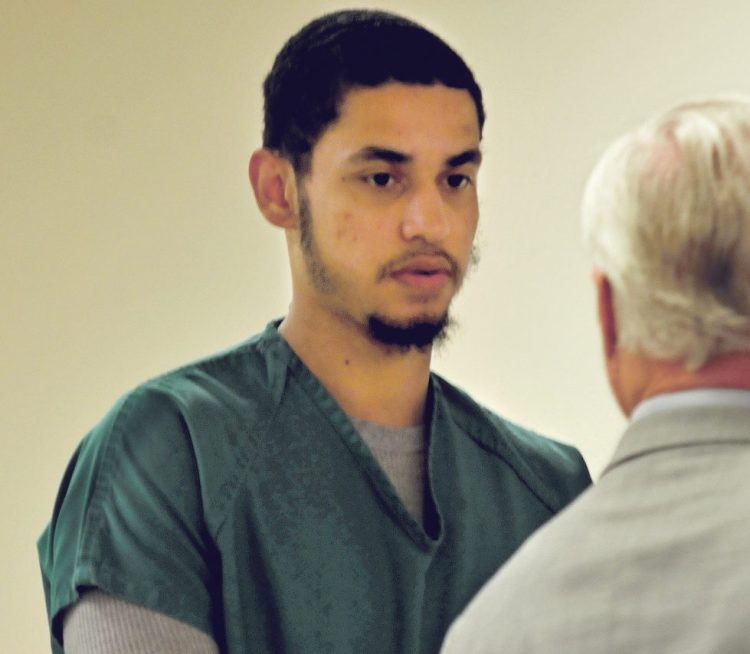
(131, 244)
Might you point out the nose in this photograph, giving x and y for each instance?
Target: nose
(426, 215)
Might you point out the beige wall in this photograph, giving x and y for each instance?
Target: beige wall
(130, 243)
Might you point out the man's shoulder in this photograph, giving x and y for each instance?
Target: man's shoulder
(222, 394)
(250, 362)
(196, 422)
(243, 374)
(555, 470)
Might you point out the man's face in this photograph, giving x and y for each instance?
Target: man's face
(389, 209)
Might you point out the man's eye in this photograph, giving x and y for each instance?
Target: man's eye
(458, 181)
(381, 180)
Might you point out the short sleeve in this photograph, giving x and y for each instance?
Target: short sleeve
(129, 518)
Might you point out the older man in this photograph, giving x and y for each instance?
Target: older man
(653, 558)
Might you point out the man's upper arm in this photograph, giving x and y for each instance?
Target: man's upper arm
(129, 518)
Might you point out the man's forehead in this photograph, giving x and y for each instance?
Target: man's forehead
(405, 119)
(376, 153)
(398, 97)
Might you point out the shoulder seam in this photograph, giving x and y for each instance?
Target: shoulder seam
(505, 449)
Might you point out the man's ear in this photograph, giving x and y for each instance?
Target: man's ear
(274, 184)
(606, 308)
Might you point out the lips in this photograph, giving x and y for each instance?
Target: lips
(424, 273)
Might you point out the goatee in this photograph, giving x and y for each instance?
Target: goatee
(419, 333)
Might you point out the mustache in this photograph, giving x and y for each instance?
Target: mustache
(426, 251)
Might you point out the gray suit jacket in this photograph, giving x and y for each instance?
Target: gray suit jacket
(654, 558)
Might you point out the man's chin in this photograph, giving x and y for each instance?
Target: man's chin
(419, 333)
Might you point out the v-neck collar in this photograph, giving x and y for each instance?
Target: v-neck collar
(273, 344)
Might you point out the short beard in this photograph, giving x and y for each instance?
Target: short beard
(319, 276)
(418, 334)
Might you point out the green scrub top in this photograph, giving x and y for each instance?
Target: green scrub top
(235, 495)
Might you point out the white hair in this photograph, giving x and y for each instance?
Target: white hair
(666, 217)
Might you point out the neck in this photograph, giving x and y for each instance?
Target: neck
(369, 380)
(644, 377)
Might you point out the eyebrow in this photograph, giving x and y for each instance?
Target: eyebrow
(375, 153)
(473, 156)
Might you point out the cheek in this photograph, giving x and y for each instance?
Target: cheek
(470, 228)
(345, 231)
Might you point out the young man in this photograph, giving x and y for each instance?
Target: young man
(653, 558)
(317, 488)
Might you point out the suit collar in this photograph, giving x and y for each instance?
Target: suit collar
(704, 417)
